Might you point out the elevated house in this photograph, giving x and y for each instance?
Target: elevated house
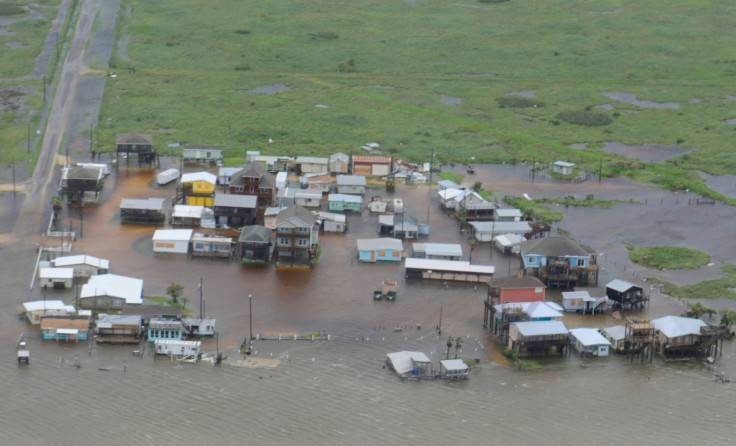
(212, 246)
(311, 164)
(380, 250)
(516, 288)
(486, 231)
(684, 337)
(146, 211)
(296, 236)
(339, 163)
(79, 182)
(538, 338)
(626, 295)
(84, 265)
(65, 328)
(640, 338)
(583, 302)
(454, 369)
(321, 182)
(139, 145)
(174, 241)
(345, 202)
(590, 341)
(560, 261)
(469, 197)
(441, 251)
(511, 312)
(118, 328)
(371, 166)
(479, 211)
(447, 270)
(211, 155)
(110, 292)
(235, 210)
(447, 184)
(164, 329)
(351, 184)
(254, 244)
(39, 309)
(449, 197)
(255, 180)
(197, 189)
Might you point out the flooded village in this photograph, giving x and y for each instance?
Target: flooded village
(308, 330)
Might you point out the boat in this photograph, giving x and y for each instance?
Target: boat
(470, 169)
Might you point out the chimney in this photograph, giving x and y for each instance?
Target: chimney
(520, 273)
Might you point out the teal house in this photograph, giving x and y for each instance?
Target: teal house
(166, 329)
(380, 250)
(345, 202)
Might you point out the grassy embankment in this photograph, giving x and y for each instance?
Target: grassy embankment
(379, 73)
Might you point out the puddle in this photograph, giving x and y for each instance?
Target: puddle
(628, 98)
(645, 152)
(525, 93)
(730, 121)
(269, 89)
(604, 107)
(615, 11)
(451, 100)
(5, 32)
(321, 106)
(15, 44)
(723, 184)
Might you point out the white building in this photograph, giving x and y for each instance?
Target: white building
(172, 240)
(83, 265)
(38, 309)
(589, 341)
(442, 251)
(56, 277)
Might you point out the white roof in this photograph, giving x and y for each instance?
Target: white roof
(56, 273)
(450, 193)
(172, 235)
(578, 295)
(387, 220)
(347, 198)
(306, 193)
(501, 227)
(155, 204)
(376, 244)
(227, 171)
(67, 331)
(108, 320)
(273, 210)
(188, 211)
(535, 310)
(198, 176)
(511, 212)
(508, 239)
(81, 260)
(351, 180)
(564, 163)
(540, 328)
(447, 184)
(440, 249)
(339, 218)
(617, 332)
(619, 285)
(178, 343)
(311, 160)
(589, 336)
(461, 266)
(40, 305)
(454, 364)
(128, 288)
(403, 362)
(676, 326)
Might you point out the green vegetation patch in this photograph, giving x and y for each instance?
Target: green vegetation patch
(668, 257)
(534, 210)
(588, 201)
(518, 102)
(10, 9)
(584, 117)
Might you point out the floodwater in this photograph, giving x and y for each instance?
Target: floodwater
(628, 98)
(338, 391)
(645, 152)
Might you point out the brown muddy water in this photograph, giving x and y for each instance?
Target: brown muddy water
(338, 392)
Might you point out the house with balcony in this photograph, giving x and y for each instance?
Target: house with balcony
(254, 244)
(296, 236)
(138, 144)
(559, 261)
(235, 210)
(211, 155)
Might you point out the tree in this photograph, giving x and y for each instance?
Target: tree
(728, 317)
(477, 186)
(449, 345)
(184, 301)
(175, 290)
(458, 344)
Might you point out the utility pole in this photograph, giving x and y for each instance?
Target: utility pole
(534, 168)
(431, 166)
(44, 89)
(439, 326)
(250, 315)
(600, 171)
(13, 178)
(90, 137)
(29, 136)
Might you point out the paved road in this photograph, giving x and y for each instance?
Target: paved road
(39, 190)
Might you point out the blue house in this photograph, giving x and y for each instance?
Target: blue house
(65, 328)
(560, 261)
(380, 249)
(164, 329)
(345, 202)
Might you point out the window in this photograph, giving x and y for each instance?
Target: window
(252, 189)
(381, 253)
(238, 188)
(283, 241)
(302, 229)
(396, 254)
(302, 242)
(264, 190)
(284, 230)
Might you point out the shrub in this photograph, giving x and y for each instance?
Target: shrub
(347, 67)
(242, 31)
(584, 117)
(518, 102)
(242, 66)
(9, 9)
(323, 35)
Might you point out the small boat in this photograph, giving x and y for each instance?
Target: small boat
(470, 169)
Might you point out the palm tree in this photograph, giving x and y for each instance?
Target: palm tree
(458, 344)
(449, 345)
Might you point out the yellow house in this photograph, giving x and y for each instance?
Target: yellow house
(199, 188)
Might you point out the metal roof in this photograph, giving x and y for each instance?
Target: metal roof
(403, 362)
(502, 227)
(346, 198)
(255, 233)
(236, 201)
(617, 332)
(459, 266)
(179, 235)
(40, 305)
(128, 288)
(510, 212)
(676, 326)
(541, 328)
(578, 295)
(56, 273)
(187, 211)
(150, 204)
(454, 365)
(439, 249)
(311, 160)
(541, 310)
(589, 336)
(351, 180)
(621, 285)
(376, 244)
(81, 260)
(371, 159)
(198, 176)
(108, 320)
(556, 246)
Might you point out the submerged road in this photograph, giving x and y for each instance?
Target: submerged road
(39, 189)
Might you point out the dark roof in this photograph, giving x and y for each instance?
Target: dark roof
(516, 282)
(254, 170)
(297, 211)
(556, 247)
(83, 173)
(255, 234)
(133, 138)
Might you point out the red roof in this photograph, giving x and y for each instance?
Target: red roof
(371, 159)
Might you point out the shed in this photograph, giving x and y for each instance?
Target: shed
(172, 240)
(312, 164)
(331, 222)
(589, 341)
(56, 277)
(308, 198)
(508, 243)
(616, 335)
(339, 163)
(409, 364)
(84, 265)
(187, 215)
(563, 167)
(135, 210)
(351, 184)
(211, 245)
(453, 369)
(380, 249)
